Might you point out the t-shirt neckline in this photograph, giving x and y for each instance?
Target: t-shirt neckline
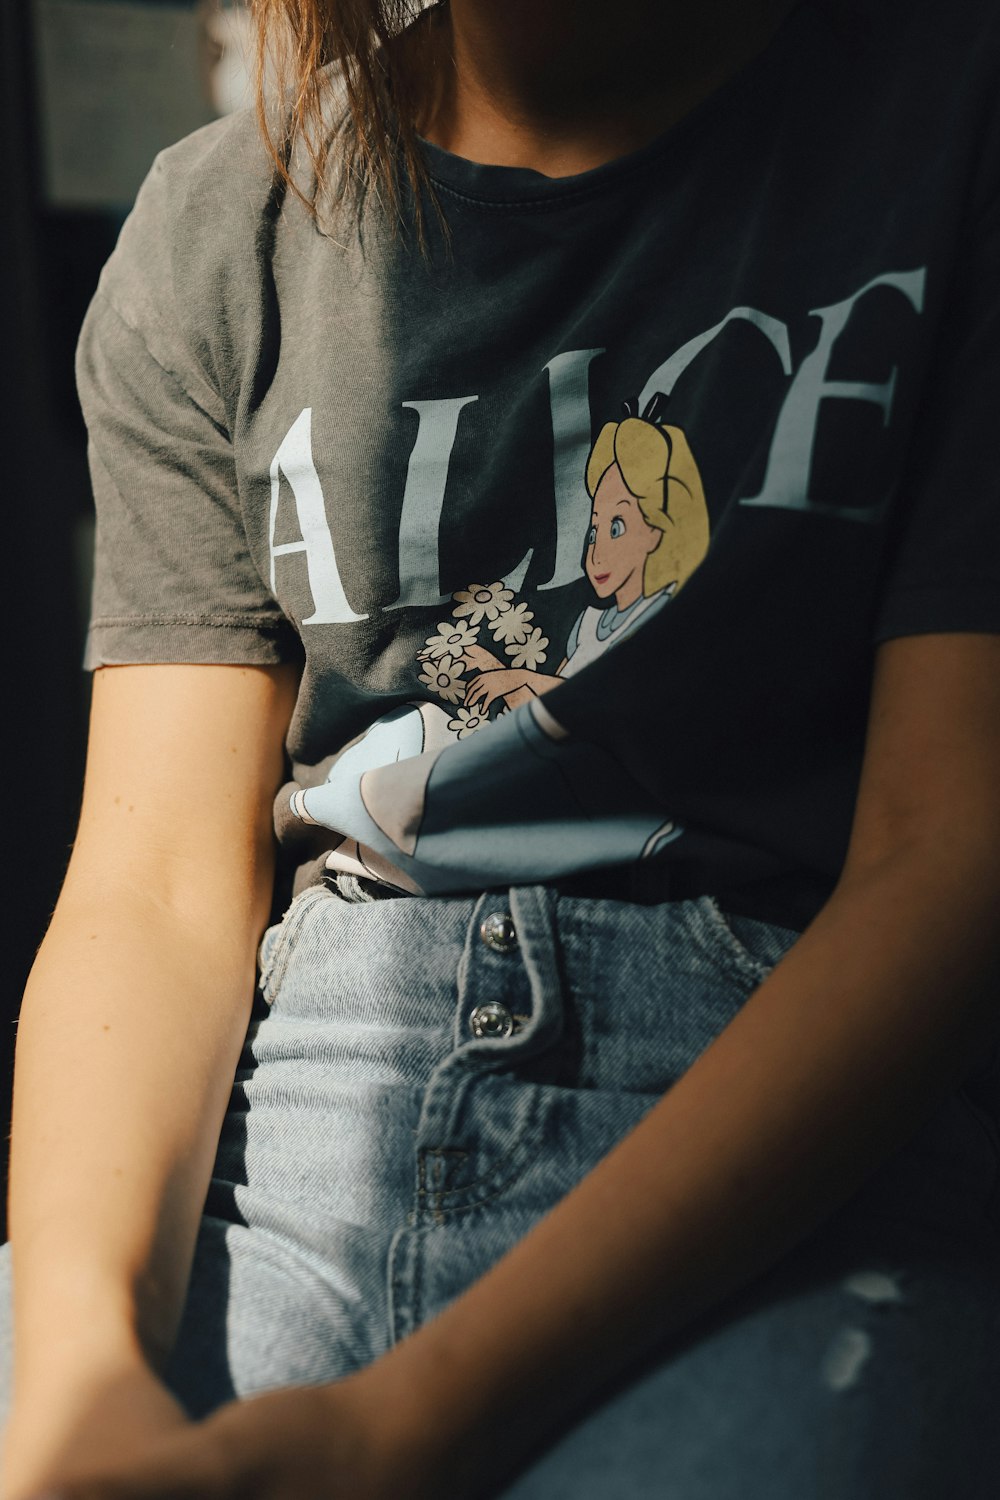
(524, 185)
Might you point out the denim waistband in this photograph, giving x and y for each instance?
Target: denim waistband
(788, 903)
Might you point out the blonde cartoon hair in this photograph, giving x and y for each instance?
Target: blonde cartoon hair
(658, 468)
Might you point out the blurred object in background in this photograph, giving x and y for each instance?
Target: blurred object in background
(117, 80)
(120, 79)
(228, 43)
(90, 91)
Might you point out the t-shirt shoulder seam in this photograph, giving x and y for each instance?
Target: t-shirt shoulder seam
(222, 622)
(172, 375)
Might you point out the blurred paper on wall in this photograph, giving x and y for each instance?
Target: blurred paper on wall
(229, 47)
(118, 81)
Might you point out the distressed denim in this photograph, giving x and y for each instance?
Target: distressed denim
(378, 1156)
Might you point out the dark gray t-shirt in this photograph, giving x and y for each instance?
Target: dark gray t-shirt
(585, 530)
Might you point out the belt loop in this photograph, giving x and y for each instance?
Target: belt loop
(533, 910)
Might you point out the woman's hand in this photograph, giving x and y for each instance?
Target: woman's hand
(85, 1425)
(486, 687)
(303, 1443)
(482, 660)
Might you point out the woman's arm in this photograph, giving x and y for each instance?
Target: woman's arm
(129, 1035)
(875, 1015)
(515, 685)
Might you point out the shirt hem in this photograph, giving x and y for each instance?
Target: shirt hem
(933, 611)
(189, 640)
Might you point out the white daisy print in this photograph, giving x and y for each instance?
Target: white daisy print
(453, 637)
(482, 601)
(444, 678)
(529, 653)
(514, 625)
(467, 721)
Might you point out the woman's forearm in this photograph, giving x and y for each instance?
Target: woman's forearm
(875, 1014)
(130, 1032)
(136, 1010)
(129, 1036)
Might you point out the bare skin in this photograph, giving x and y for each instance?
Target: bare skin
(875, 1015)
(900, 971)
(130, 1031)
(560, 87)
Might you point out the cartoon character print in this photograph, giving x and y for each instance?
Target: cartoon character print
(648, 533)
(396, 794)
(455, 648)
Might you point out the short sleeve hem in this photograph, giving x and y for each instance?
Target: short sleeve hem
(932, 611)
(198, 642)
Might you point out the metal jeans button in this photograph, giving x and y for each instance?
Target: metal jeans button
(491, 1020)
(498, 932)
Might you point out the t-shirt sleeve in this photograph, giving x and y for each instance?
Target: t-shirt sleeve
(174, 578)
(943, 567)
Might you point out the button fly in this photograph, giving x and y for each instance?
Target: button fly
(491, 1020)
(498, 932)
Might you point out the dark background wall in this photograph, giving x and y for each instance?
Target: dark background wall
(66, 184)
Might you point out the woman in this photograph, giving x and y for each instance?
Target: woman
(568, 1171)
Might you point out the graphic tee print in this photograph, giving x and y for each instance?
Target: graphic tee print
(583, 530)
(648, 532)
(596, 629)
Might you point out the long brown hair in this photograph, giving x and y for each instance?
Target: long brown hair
(366, 149)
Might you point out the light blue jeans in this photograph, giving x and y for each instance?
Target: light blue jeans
(423, 1079)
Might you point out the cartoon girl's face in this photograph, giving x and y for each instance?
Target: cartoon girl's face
(619, 541)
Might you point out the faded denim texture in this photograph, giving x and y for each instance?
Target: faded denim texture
(377, 1157)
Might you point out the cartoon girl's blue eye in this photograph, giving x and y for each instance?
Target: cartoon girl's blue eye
(617, 528)
(591, 536)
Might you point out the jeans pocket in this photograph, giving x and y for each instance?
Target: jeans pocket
(278, 943)
(743, 946)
